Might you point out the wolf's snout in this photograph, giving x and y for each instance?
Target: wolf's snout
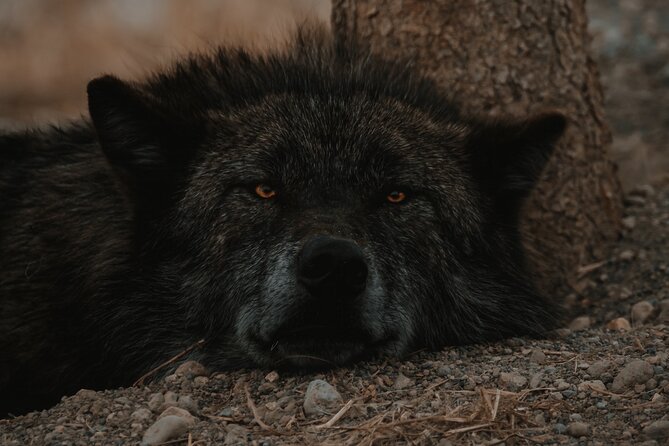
(332, 268)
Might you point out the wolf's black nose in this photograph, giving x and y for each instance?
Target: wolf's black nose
(332, 268)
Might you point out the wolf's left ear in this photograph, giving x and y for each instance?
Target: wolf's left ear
(508, 158)
(140, 137)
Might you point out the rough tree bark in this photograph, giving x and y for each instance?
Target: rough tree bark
(515, 59)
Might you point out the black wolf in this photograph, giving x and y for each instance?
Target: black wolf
(304, 208)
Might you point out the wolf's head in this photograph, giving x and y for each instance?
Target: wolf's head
(316, 205)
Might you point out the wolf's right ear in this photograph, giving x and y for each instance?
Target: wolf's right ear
(508, 157)
(139, 137)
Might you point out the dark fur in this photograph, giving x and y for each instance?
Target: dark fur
(129, 237)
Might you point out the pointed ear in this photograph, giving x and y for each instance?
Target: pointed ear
(138, 136)
(508, 158)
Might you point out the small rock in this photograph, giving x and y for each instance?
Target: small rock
(187, 402)
(320, 398)
(619, 324)
(578, 429)
(200, 381)
(657, 429)
(561, 384)
(538, 357)
(402, 382)
(513, 381)
(86, 393)
(626, 255)
(598, 368)
(592, 386)
(641, 311)
(142, 414)
(535, 381)
(178, 412)
(580, 323)
(236, 435)
(155, 401)
(191, 369)
(636, 372)
(560, 428)
(629, 222)
(444, 370)
(165, 429)
(272, 376)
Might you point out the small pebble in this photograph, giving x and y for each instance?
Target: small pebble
(619, 324)
(598, 368)
(580, 323)
(155, 401)
(187, 402)
(641, 311)
(538, 357)
(626, 255)
(636, 372)
(578, 429)
(142, 414)
(272, 376)
(236, 435)
(321, 398)
(657, 429)
(191, 369)
(560, 428)
(629, 222)
(178, 412)
(165, 429)
(402, 382)
(512, 381)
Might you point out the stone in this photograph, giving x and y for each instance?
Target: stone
(641, 311)
(619, 324)
(657, 430)
(156, 400)
(537, 356)
(142, 414)
(598, 368)
(272, 376)
(187, 402)
(512, 381)
(165, 429)
(402, 382)
(321, 398)
(626, 255)
(578, 429)
(191, 369)
(178, 412)
(629, 222)
(236, 435)
(580, 323)
(592, 386)
(636, 372)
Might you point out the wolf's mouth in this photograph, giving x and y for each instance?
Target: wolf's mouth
(318, 346)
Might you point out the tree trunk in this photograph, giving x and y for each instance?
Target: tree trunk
(515, 59)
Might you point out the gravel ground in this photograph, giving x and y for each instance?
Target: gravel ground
(604, 380)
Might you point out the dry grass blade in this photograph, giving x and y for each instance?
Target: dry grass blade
(336, 416)
(172, 360)
(256, 415)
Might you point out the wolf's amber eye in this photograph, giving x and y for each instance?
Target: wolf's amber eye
(396, 196)
(265, 191)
